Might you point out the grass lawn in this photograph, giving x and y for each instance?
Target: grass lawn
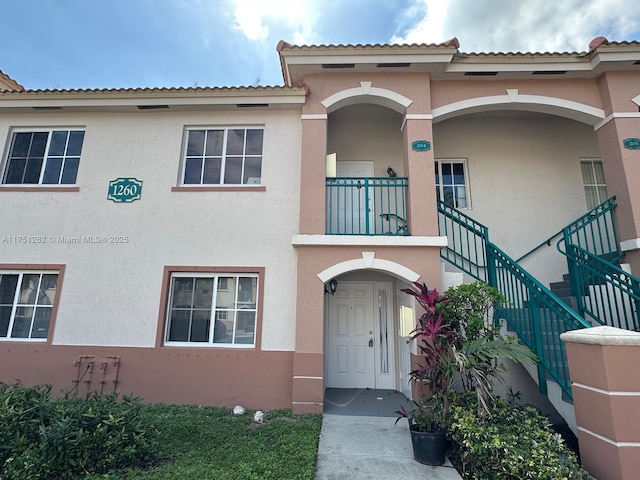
(202, 443)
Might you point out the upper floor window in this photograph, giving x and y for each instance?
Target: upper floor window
(452, 183)
(223, 156)
(46, 157)
(26, 304)
(595, 187)
(210, 308)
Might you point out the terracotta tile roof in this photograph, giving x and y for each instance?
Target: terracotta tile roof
(179, 90)
(7, 79)
(369, 46)
(282, 45)
(595, 43)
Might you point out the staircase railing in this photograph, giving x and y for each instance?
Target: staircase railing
(608, 295)
(604, 293)
(467, 240)
(531, 309)
(595, 232)
(536, 314)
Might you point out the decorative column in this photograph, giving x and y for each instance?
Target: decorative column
(419, 167)
(603, 364)
(620, 93)
(308, 358)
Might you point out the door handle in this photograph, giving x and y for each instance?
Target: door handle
(371, 342)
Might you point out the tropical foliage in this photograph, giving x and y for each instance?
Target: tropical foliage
(460, 348)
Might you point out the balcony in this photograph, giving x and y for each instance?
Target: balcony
(366, 206)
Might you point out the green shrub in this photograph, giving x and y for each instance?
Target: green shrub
(514, 442)
(44, 438)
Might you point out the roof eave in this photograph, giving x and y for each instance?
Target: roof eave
(188, 98)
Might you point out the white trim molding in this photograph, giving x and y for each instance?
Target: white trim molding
(379, 96)
(613, 115)
(415, 116)
(631, 244)
(608, 440)
(418, 116)
(609, 393)
(317, 240)
(369, 262)
(313, 116)
(513, 100)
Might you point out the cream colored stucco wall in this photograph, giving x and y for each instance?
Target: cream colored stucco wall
(367, 132)
(111, 292)
(524, 177)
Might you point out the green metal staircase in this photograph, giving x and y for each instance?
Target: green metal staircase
(605, 294)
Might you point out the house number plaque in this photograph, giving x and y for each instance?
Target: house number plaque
(124, 190)
(631, 143)
(421, 145)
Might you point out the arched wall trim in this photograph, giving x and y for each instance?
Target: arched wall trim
(378, 96)
(369, 262)
(515, 101)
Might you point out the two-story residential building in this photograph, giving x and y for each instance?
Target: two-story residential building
(275, 226)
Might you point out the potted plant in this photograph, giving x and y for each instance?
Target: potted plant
(427, 427)
(427, 417)
(459, 349)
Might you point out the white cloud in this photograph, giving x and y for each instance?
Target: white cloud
(430, 29)
(526, 25)
(252, 17)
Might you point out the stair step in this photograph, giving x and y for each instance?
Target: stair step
(553, 286)
(562, 292)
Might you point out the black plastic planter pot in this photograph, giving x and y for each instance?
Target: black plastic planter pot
(429, 448)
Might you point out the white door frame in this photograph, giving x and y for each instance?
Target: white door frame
(388, 380)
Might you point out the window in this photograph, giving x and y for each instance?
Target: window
(196, 298)
(46, 157)
(595, 188)
(228, 156)
(26, 304)
(451, 183)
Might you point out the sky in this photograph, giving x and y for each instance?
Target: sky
(184, 43)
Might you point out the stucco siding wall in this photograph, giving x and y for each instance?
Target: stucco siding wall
(367, 132)
(111, 292)
(524, 177)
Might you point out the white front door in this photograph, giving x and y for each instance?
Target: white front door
(350, 337)
(360, 347)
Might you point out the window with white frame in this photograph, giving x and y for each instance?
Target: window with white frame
(44, 157)
(200, 312)
(595, 187)
(26, 304)
(223, 156)
(452, 183)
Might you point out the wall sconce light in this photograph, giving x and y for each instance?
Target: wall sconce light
(331, 286)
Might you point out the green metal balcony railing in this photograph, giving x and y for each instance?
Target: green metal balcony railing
(366, 206)
(530, 309)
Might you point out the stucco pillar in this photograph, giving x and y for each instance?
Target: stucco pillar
(308, 358)
(603, 364)
(419, 167)
(622, 165)
(312, 175)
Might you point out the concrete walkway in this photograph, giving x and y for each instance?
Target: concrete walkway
(371, 448)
